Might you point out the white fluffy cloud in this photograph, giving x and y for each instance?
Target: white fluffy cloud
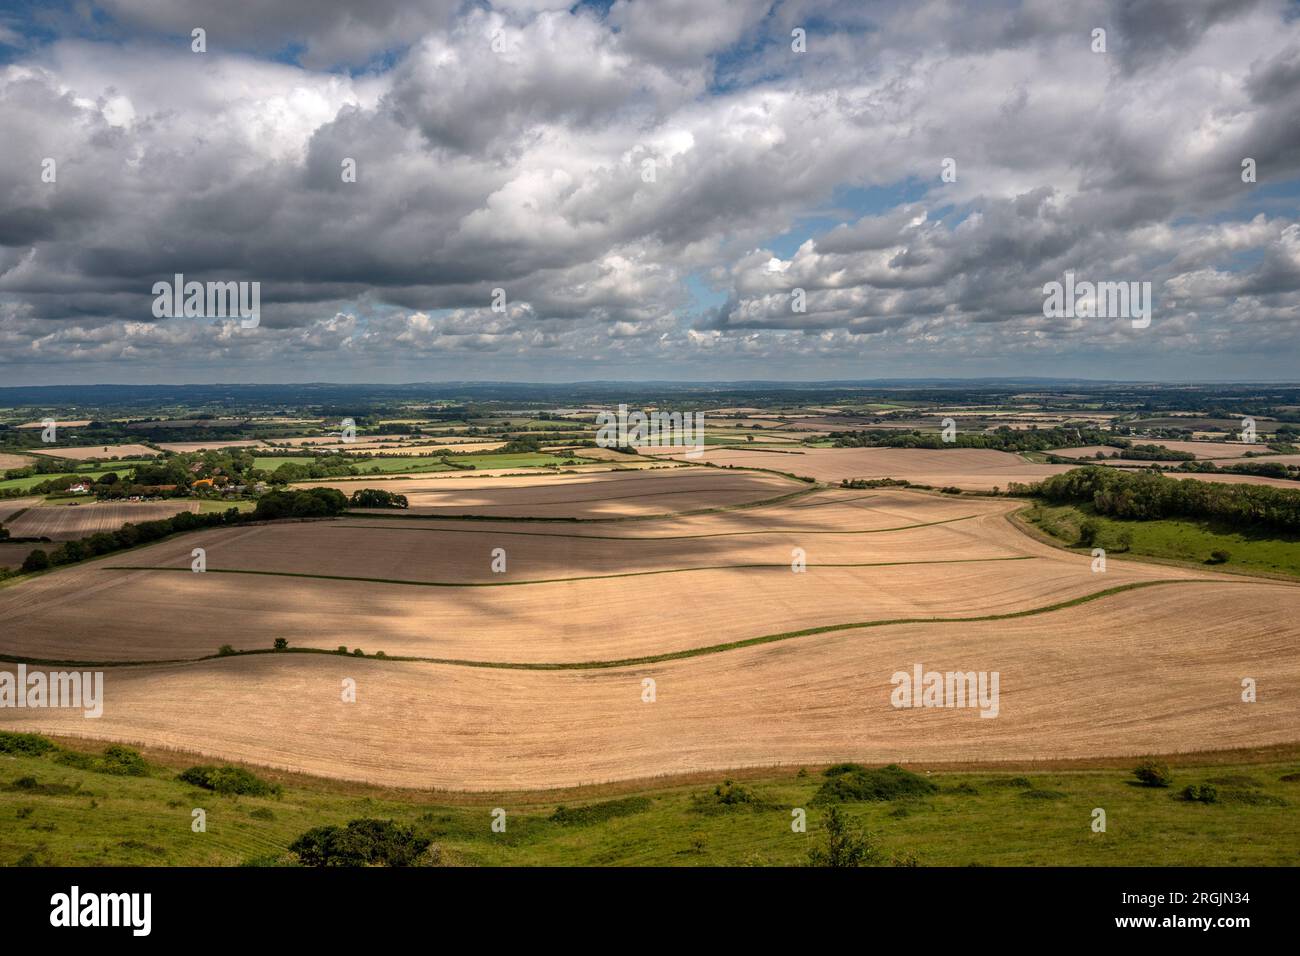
(649, 184)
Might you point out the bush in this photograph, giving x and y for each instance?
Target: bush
(230, 781)
(225, 650)
(1200, 793)
(852, 782)
(1088, 532)
(846, 846)
(1151, 773)
(123, 762)
(281, 644)
(360, 843)
(24, 745)
(599, 812)
(38, 560)
(727, 795)
(1219, 557)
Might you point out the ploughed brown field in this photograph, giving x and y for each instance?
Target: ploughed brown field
(534, 677)
(66, 522)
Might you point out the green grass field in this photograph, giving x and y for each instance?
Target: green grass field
(34, 480)
(76, 816)
(1174, 539)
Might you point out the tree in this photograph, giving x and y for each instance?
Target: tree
(1088, 532)
(846, 845)
(281, 643)
(38, 560)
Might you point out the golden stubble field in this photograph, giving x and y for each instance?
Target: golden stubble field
(1152, 669)
(974, 469)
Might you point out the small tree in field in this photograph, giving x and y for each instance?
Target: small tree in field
(281, 644)
(846, 845)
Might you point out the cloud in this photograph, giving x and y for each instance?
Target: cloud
(604, 168)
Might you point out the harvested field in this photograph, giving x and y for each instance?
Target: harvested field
(79, 423)
(327, 583)
(188, 446)
(608, 494)
(433, 448)
(66, 522)
(10, 506)
(12, 555)
(14, 461)
(1115, 677)
(86, 452)
(972, 468)
(535, 677)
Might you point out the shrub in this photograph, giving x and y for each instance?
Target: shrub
(1088, 532)
(1152, 773)
(281, 644)
(846, 846)
(225, 650)
(1200, 793)
(342, 649)
(361, 843)
(851, 782)
(123, 762)
(230, 781)
(24, 745)
(727, 795)
(1219, 557)
(38, 560)
(599, 812)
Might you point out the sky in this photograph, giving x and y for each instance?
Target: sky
(668, 190)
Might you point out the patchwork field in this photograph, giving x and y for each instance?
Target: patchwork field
(86, 452)
(1112, 678)
(604, 494)
(188, 446)
(66, 522)
(532, 677)
(14, 461)
(973, 469)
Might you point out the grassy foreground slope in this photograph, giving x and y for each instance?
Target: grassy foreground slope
(53, 812)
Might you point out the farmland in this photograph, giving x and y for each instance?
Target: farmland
(551, 654)
(66, 522)
(641, 624)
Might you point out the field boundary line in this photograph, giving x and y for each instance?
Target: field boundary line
(587, 577)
